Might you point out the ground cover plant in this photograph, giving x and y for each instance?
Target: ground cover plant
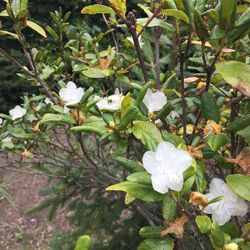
(142, 129)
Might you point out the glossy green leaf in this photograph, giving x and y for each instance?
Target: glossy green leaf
(147, 133)
(204, 223)
(83, 243)
(97, 73)
(231, 229)
(217, 235)
(209, 109)
(200, 178)
(187, 185)
(178, 14)
(189, 10)
(137, 190)
(240, 184)
(200, 26)
(97, 9)
(216, 141)
(130, 165)
(236, 74)
(239, 123)
(151, 232)
(145, 9)
(57, 118)
(227, 14)
(241, 27)
(245, 133)
(37, 28)
(169, 208)
(140, 177)
(154, 23)
(154, 244)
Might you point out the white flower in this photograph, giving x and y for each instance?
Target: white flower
(71, 95)
(112, 102)
(166, 167)
(230, 205)
(154, 101)
(48, 101)
(32, 118)
(7, 139)
(17, 112)
(1, 121)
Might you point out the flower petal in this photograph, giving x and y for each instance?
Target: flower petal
(149, 162)
(174, 180)
(159, 183)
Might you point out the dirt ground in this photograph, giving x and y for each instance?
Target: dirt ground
(19, 231)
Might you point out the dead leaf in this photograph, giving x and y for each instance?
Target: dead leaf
(198, 199)
(191, 79)
(243, 160)
(246, 231)
(104, 64)
(212, 128)
(226, 50)
(26, 153)
(176, 227)
(78, 116)
(36, 128)
(196, 152)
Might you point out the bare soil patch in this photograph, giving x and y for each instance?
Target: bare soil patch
(18, 230)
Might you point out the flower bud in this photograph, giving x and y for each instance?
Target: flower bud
(231, 246)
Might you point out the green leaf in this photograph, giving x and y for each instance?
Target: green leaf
(130, 165)
(227, 14)
(142, 93)
(239, 123)
(97, 9)
(83, 243)
(151, 232)
(217, 235)
(97, 73)
(187, 185)
(4, 32)
(56, 118)
(200, 26)
(155, 23)
(236, 74)
(140, 177)
(241, 27)
(209, 109)
(37, 28)
(145, 9)
(128, 112)
(172, 138)
(245, 133)
(216, 141)
(169, 208)
(147, 133)
(4, 13)
(200, 179)
(137, 190)
(154, 244)
(176, 13)
(240, 184)
(189, 9)
(120, 5)
(94, 125)
(231, 229)
(204, 223)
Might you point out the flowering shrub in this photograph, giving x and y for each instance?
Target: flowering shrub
(171, 131)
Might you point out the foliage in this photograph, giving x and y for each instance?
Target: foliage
(166, 137)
